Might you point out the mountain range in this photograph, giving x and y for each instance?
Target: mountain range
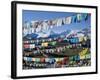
(52, 34)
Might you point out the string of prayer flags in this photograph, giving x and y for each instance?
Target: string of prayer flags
(45, 25)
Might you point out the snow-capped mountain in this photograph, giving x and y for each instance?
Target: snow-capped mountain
(52, 34)
(43, 34)
(79, 33)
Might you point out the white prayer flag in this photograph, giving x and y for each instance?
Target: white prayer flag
(68, 20)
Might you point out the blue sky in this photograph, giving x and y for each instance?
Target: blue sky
(29, 15)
